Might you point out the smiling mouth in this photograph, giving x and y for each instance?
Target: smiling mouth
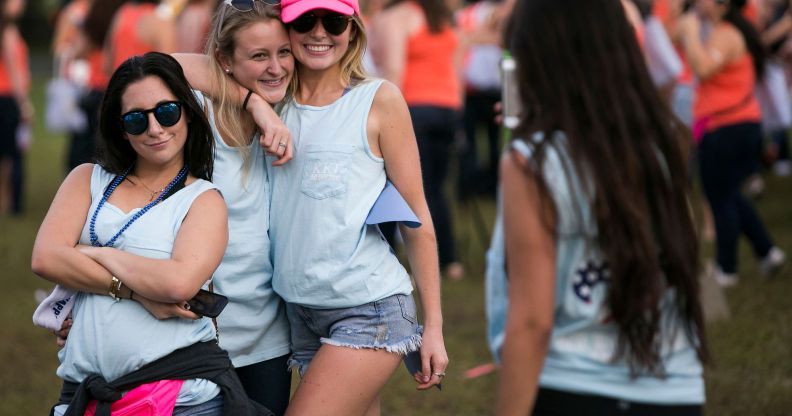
(158, 144)
(318, 48)
(272, 82)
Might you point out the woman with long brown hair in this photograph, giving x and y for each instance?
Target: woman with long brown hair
(603, 309)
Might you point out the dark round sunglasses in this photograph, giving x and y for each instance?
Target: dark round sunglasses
(167, 115)
(247, 5)
(333, 23)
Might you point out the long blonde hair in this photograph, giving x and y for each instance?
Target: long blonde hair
(229, 116)
(352, 70)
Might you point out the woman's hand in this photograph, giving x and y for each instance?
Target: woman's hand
(434, 359)
(689, 26)
(61, 335)
(161, 310)
(275, 136)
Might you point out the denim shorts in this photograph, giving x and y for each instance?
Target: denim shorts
(213, 407)
(389, 324)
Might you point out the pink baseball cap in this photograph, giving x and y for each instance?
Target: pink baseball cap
(292, 9)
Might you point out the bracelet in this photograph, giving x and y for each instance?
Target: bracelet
(115, 288)
(247, 98)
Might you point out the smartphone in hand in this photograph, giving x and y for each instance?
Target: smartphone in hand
(206, 303)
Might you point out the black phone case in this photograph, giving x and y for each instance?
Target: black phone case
(206, 303)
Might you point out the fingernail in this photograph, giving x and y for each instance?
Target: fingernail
(425, 379)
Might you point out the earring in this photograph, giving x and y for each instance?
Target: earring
(228, 71)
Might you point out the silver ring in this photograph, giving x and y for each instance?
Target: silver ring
(281, 144)
(441, 375)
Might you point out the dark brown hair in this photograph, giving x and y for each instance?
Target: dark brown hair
(580, 71)
(115, 153)
(753, 41)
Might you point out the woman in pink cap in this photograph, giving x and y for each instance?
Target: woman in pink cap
(349, 300)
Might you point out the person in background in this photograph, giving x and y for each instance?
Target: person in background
(81, 64)
(88, 67)
(138, 28)
(16, 109)
(194, 24)
(596, 242)
(775, 24)
(480, 35)
(369, 10)
(728, 63)
(419, 52)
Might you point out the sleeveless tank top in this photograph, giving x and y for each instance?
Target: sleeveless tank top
(429, 74)
(245, 274)
(727, 97)
(583, 341)
(125, 39)
(324, 254)
(115, 338)
(21, 60)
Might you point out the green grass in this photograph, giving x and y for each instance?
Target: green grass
(751, 375)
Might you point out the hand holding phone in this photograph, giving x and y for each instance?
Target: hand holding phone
(206, 303)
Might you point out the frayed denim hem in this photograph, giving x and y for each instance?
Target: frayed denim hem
(301, 367)
(402, 348)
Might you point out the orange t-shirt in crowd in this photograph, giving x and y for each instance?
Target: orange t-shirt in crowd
(98, 79)
(429, 74)
(21, 60)
(125, 40)
(728, 97)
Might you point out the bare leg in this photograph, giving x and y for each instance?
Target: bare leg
(343, 381)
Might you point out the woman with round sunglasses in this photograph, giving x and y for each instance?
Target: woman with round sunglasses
(349, 300)
(249, 45)
(142, 226)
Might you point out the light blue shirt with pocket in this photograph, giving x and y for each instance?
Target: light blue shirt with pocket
(324, 254)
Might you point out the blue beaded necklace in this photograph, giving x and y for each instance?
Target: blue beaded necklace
(117, 181)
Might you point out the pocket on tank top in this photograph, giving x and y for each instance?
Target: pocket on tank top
(325, 171)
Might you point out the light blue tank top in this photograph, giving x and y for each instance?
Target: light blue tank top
(253, 326)
(116, 338)
(579, 358)
(324, 254)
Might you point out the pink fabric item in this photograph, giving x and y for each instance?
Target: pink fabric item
(292, 9)
(152, 399)
(700, 128)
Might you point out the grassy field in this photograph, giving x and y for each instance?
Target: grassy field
(751, 375)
